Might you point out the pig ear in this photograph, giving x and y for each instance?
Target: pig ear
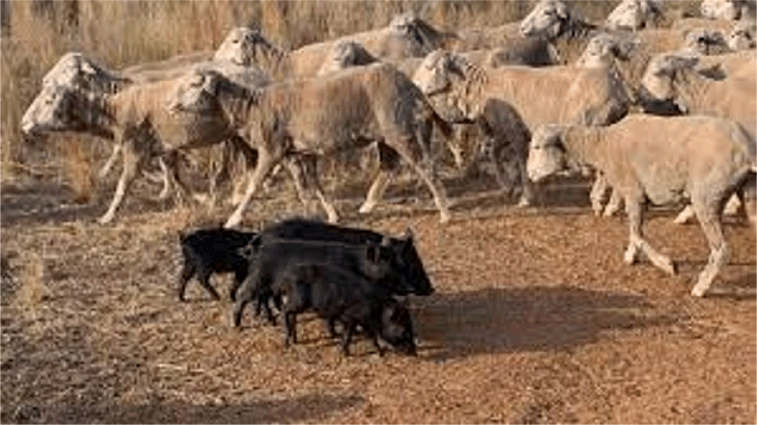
(372, 253)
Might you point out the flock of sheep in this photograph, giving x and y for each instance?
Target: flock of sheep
(660, 115)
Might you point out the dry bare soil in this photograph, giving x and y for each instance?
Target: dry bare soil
(535, 320)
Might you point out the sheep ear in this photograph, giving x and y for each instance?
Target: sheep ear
(562, 10)
(87, 68)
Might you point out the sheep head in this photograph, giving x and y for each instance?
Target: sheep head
(549, 18)
(76, 70)
(603, 49)
(722, 9)
(633, 14)
(547, 154)
(245, 46)
(62, 108)
(444, 77)
(705, 42)
(665, 76)
(743, 36)
(195, 92)
(415, 35)
(345, 54)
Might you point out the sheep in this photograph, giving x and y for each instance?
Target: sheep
(633, 53)
(706, 42)
(344, 54)
(242, 46)
(663, 160)
(687, 24)
(743, 36)
(671, 78)
(559, 24)
(511, 47)
(458, 90)
(135, 118)
(318, 117)
(727, 9)
(406, 36)
(235, 57)
(633, 15)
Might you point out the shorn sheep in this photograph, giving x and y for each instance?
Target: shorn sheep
(661, 160)
(235, 57)
(672, 78)
(310, 118)
(566, 94)
(135, 118)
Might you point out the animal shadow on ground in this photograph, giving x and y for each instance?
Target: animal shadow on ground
(539, 318)
(53, 203)
(740, 288)
(292, 410)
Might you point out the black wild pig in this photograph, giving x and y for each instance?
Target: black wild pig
(209, 251)
(340, 295)
(404, 257)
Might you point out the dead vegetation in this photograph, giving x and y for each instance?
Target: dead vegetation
(536, 319)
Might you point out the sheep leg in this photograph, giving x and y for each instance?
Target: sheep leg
(505, 181)
(685, 216)
(166, 180)
(376, 192)
(111, 161)
(635, 211)
(132, 164)
(614, 204)
(433, 183)
(389, 162)
(733, 207)
(709, 219)
(303, 171)
(527, 195)
(173, 178)
(597, 195)
(266, 162)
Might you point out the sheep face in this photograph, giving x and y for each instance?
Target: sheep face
(705, 42)
(54, 109)
(345, 54)
(244, 46)
(632, 14)
(76, 70)
(546, 154)
(195, 92)
(435, 77)
(604, 48)
(661, 79)
(743, 36)
(547, 19)
(721, 9)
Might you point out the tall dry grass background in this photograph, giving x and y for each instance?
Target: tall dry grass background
(123, 33)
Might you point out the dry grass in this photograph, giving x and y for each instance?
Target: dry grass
(39, 32)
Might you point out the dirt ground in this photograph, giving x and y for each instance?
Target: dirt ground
(535, 319)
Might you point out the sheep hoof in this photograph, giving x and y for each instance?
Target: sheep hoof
(698, 291)
(444, 218)
(524, 202)
(630, 256)
(366, 208)
(670, 268)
